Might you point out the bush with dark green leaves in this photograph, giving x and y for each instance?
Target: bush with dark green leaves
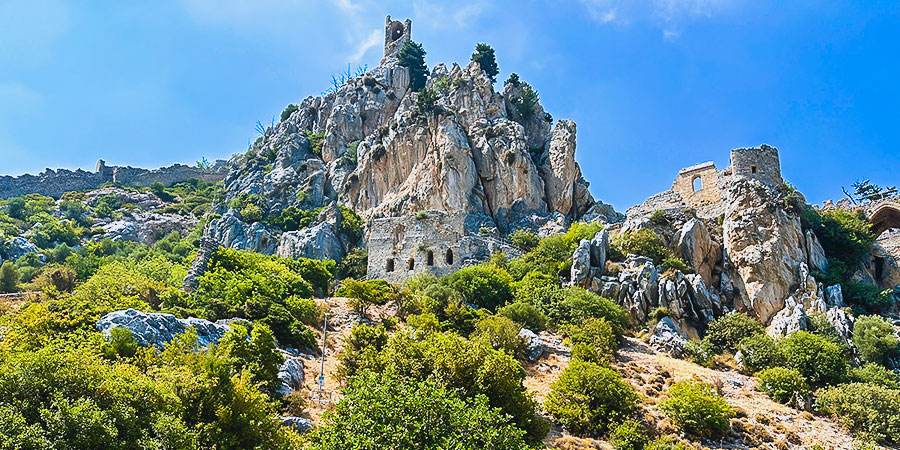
(354, 264)
(726, 332)
(389, 412)
(483, 285)
(844, 235)
(820, 361)
(592, 340)
(527, 101)
(588, 399)
(361, 349)
(674, 263)
(759, 352)
(524, 239)
(412, 56)
(875, 374)
(579, 304)
(875, 339)
(870, 411)
(501, 334)
(367, 293)
(526, 315)
(9, 277)
(484, 56)
(252, 348)
(288, 110)
(697, 409)
(425, 101)
(643, 242)
(781, 384)
(119, 344)
(630, 435)
(665, 443)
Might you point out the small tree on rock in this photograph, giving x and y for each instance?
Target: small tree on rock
(484, 56)
(412, 56)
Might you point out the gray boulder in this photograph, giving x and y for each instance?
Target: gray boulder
(19, 247)
(158, 329)
(599, 246)
(299, 424)
(534, 345)
(790, 319)
(318, 242)
(698, 249)
(291, 375)
(581, 264)
(667, 339)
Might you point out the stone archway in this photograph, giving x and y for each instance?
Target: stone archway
(885, 216)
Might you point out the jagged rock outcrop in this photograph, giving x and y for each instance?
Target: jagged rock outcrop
(157, 329)
(764, 247)
(697, 248)
(146, 228)
(291, 375)
(815, 254)
(667, 338)
(581, 263)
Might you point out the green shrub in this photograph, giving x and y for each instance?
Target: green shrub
(588, 398)
(658, 217)
(643, 242)
(759, 352)
(354, 264)
(844, 235)
(412, 56)
(526, 315)
(483, 285)
(875, 374)
(9, 277)
(818, 360)
(120, 343)
(726, 332)
(422, 215)
(674, 263)
(501, 334)
(579, 304)
(875, 339)
(315, 142)
(484, 56)
(255, 352)
(288, 110)
(367, 293)
(524, 239)
(384, 412)
(541, 290)
(819, 324)
(595, 338)
(425, 101)
(700, 351)
(697, 409)
(665, 443)
(361, 349)
(527, 102)
(867, 410)
(781, 384)
(293, 218)
(630, 435)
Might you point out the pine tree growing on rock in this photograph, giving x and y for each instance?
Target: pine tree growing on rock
(484, 56)
(412, 56)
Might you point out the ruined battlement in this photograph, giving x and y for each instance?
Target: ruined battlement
(396, 33)
(760, 163)
(55, 183)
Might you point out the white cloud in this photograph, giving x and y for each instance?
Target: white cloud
(372, 40)
(669, 15)
(461, 14)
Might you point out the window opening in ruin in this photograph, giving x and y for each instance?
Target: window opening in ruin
(879, 269)
(449, 257)
(697, 183)
(430, 258)
(389, 267)
(752, 169)
(396, 31)
(411, 264)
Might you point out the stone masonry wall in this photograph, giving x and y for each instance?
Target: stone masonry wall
(760, 163)
(709, 180)
(55, 183)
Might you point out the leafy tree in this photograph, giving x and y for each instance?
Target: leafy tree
(527, 101)
(866, 191)
(395, 412)
(354, 264)
(726, 332)
(844, 235)
(120, 343)
(818, 360)
(367, 293)
(361, 349)
(875, 339)
(579, 305)
(9, 277)
(643, 242)
(759, 352)
(484, 56)
(593, 340)
(483, 285)
(254, 351)
(288, 110)
(697, 409)
(781, 384)
(412, 56)
(425, 102)
(588, 398)
(501, 334)
(875, 374)
(526, 315)
(15, 208)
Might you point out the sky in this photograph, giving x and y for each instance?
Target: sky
(654, 85)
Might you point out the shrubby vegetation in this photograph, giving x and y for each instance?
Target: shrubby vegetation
(782, 385)
(589, 398)
(870, 410)
(697, 408)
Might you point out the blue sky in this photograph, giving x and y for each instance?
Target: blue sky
(654, 85)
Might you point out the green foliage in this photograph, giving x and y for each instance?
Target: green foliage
(9, 277)
(412, 56)
(658, 217)
(674, 263)
(315, 142)
(874, 337)
(120, 343)
(643, 242)
(367, 293)
(513, 80)
(594, 338)
(361, 349)
(820, 361)
(288, 110)
(844, 235)
(293, 218)
(354, 264)
(501, 334)
(868, 410)
(875, 374)
(630, 435)
(351, 225)
(579, 305)
(782, 385)
(484, 56)
(697, 409)
(759, 352)
(526, 315)
(588, 398)
(422, 215)
(425, 101)
(665, 443)
(524, 239)
(382, 412)
(726, 332)
(483, 285)
(254, 351)
(527, 101)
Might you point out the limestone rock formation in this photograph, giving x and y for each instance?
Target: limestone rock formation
(146, 228)
(534, 345)
(291, 375)
(157, 329)
(697, 248)
(666, 338)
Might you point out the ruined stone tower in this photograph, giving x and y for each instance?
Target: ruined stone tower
(396, 34)
(760, 163)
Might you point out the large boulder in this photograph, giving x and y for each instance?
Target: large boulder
(534, 345)
(19, 247)
(697, 248)
(291, 375)
(298, 424)
(146, 228)
(763, 247)
(157, 329)
(581, 264)
(667, 339)
(319, 241)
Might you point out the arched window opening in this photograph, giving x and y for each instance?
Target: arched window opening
(389, 267)
(697, 183)
(430, 258)
(411, 264)
(449, 257)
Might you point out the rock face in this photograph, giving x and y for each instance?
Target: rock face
(158, 329)
(146, 228)
(764, 247)
(815, 255)
(291, 375)
(666, 338)
(698, 249)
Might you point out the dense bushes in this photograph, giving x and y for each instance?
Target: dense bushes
(781, 384)
(593, 340)
(759, 352)
(820, 361)
(875, 374)
(875, 339)
(589, 398)
(395, 412)
(483, 285)
(630, 435)
(501, 334)
(870, 410)
(526, 315)
(697, 408)
(366, 293)
(727, 332)
(642, 242)
(844, 235)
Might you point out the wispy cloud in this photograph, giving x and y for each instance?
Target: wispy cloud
(372, 40)
(460, 14)
(669, 15)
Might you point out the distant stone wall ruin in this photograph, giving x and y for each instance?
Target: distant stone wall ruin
(698, 185)
(55, 183)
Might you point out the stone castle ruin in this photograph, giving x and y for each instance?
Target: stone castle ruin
(700, 186)
(396, 34)
(55, 183)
